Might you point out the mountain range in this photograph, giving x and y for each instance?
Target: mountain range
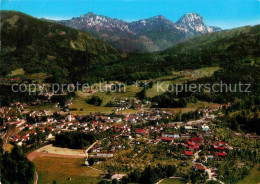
(69, 55)
(147, 35)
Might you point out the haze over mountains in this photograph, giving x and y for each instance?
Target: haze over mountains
(147, 35)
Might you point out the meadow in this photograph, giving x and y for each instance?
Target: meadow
(65, 170)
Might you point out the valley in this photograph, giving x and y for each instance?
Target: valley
(130, 125)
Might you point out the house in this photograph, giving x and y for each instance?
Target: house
(221, 154)
(193, 147)
(70, 117)
(105, 154)
(196, 140)
(166, 139)
(220, 145)
(198, 167)
(74, 128)
(50, 120)
(188, 153)
(117, 176)
(155, 141)
(130, 119)
(117, 120)
(185, 136)
(210, 157)
(188, 128)
(19, 123)
(205, 128)
(141, 131)
(83, 125)
(49, 136)
(168, 135)
(50, 128)
(176, 136)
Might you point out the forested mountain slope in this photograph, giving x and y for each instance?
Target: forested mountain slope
(217, 49)
(41, 46)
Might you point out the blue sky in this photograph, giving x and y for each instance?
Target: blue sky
(224, 13)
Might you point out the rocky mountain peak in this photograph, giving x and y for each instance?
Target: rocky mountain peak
(190, 17)
(157, 32)
(193, 23)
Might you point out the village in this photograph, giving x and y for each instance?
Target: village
(192, 140)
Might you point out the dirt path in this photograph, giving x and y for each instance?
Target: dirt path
(211, 177)
(35, 178)
(31, 156)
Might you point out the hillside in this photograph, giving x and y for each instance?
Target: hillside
(147, 35)
(223, 48)
(39, 46)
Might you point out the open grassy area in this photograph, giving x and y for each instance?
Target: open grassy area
(44, 106)
(9, 147)
(161, 84)
(62, 151)
(253, 177)
(16, 72)
(84, 108)
(171, 181)
(190, 107)
(60, 169)
(36, 77)
(129, 92)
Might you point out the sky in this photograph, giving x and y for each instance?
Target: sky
(223, 13)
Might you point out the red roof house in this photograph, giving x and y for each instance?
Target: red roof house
(188, 153)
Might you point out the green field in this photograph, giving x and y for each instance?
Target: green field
(16, 72)
(253, 177)
(178, 78)
(79, 101)
(60, 169)
(80, 107)
(171, 181)
(44, 106)
(36, 77)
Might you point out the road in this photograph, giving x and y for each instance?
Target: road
(91, 146)
(35, 178)
(208, 170)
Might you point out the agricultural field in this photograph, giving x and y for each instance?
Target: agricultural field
(178, 78)
(45, 106)
(63, 169)
(79, 103)
(190, 107)
(83, 108)
(36, 77)
(17, 72)
(171, 181)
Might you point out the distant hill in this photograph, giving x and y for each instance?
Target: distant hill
(147, 35)
(224, 48)
(42, 46)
